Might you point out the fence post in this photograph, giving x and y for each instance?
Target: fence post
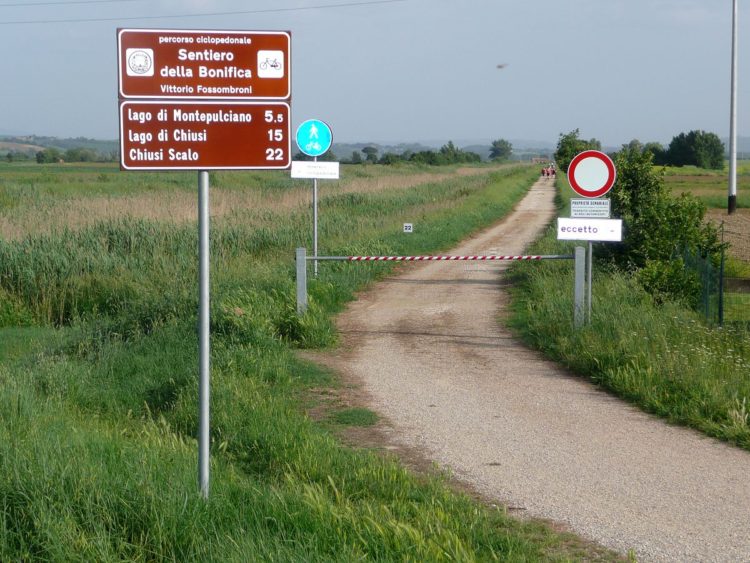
(579, 291)
(301, 281)
(721, 284)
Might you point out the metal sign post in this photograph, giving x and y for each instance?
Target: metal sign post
(578, 286)
(732, 199)
(314, 138)
(591, 174)
(589, 276)
(315, 222)
(204, 337)
(204, 100)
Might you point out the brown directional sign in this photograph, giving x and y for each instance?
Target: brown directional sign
(203, 135)
(195, 64)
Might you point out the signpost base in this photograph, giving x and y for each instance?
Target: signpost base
(579, 290)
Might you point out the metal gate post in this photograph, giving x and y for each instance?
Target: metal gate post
(579, 291)
(301, 281)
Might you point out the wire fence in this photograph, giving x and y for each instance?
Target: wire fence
(724, 298)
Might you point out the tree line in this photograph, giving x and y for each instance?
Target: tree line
(695, 148)
(500, 150)
(51, 155)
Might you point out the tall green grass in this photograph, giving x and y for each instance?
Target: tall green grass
(98, 409)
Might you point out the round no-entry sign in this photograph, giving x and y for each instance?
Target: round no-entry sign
(591, 173)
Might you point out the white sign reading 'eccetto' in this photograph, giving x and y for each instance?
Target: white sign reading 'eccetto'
(609, 230)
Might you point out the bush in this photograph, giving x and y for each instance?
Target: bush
(570, 145)
(669, 280)
(696, 148)
(659, 228)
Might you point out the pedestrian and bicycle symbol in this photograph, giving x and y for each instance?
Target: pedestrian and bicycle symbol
(314, 137)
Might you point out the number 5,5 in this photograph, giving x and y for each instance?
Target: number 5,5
(270, 117)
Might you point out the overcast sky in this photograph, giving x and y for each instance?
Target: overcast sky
(410, 70)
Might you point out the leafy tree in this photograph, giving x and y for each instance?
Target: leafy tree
(697, 148)
(80, 154)
(15, 156)
(658, 152)
(391, 158)
(634, 145)
(709, 151)
(501, 149)
(450, 154)
(356, 157)
(659, 228)
(570, 145)
(328, 156)
(371, 154)
(425, 157)
(48, 156)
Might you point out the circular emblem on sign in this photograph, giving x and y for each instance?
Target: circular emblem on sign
(314, 137)
(591, 173)
(140, 61)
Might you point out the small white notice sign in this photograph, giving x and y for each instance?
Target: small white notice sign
(313, 169)
(609, 230)
(590, 208)
(408, 228)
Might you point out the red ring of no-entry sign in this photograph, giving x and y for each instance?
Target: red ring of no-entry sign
(591, 173)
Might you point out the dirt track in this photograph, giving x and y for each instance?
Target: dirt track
(433, 359)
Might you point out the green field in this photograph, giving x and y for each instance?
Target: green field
(710, 186)
(98, 371)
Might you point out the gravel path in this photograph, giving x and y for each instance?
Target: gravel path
(428, 349)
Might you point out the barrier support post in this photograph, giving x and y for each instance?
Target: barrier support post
(301, 281)
(579, 291)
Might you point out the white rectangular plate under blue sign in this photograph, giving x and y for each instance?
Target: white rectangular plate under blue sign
(312, 169)
(597, 208)
(606, 230)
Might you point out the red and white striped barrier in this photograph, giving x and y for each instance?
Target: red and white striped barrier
(438, 258)
(302, 258)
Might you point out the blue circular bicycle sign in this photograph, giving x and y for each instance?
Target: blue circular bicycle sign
(314, 137)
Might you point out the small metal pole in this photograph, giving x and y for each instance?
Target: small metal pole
(721, 280)
(301, 281)
(204, 336)
(732, 200)
(590, 269)
(315, 222)
(579, 286)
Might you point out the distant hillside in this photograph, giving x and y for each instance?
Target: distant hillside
(11, 146)
(27, 143)
(345, 150)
